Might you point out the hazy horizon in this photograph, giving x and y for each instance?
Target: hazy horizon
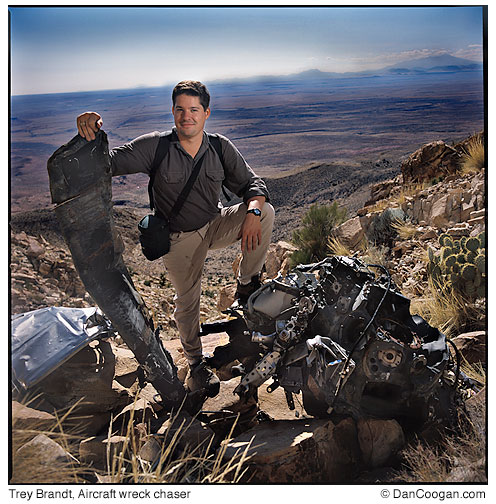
(85, 49)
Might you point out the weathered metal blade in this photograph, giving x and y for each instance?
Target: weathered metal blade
(80, 185)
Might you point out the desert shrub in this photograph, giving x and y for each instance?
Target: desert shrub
(374, 254)
(317, 226)
(473, 156)
(381, 230)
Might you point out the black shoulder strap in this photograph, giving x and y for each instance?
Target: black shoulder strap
(215, 141)
(187, 188)
(160, 153)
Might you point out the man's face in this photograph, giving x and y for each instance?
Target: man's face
(189, 116)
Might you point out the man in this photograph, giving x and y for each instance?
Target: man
(202, 223)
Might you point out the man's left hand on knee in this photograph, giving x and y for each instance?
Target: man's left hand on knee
(251, 229)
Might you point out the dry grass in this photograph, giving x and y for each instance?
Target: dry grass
(406, 191)
(405, 230)
(473, 159)
(373, 254)
(444, 309)
(460, 457)
(336, 247)
(200, 463)
(32, 464)
(192, 464)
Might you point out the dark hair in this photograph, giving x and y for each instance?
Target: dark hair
(192, 88)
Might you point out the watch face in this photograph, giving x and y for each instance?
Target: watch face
(255, 211)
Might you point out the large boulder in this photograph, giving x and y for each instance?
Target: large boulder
(298, 451)
(350, 233)
(379, 440)
(430, 161)
(42, 460)
(472, 346)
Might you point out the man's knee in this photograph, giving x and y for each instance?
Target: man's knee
(268, 214)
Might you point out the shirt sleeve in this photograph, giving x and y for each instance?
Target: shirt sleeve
(135, 156)
(239, 177)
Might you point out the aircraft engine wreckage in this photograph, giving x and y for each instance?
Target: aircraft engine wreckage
(346, 340)
(330, 330)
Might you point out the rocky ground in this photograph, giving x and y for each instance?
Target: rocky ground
(296, 447)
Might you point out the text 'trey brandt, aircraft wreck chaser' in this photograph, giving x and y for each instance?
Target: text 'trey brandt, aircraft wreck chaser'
(333, 331)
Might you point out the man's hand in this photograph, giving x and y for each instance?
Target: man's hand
(88, 124)
(251, 229)
(251, 232)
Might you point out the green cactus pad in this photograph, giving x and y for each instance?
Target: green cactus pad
(472, 244)
(446, 252)
(482, 239)
(480, 262)
(445, 240)
(450, 261)
(468, 272)
(470, 257)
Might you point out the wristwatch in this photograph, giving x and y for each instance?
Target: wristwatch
(255, 211)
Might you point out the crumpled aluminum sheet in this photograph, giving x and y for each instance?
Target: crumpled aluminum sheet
(42, 340)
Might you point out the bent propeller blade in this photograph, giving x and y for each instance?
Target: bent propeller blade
(80, 186)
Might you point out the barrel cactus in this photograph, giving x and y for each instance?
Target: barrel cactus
(460, 265)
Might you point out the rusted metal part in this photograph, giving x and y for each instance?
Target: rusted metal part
(80, 186)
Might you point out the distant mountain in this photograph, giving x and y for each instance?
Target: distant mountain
(431, 64)
(441, 63)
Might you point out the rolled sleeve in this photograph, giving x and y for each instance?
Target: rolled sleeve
(239, 177)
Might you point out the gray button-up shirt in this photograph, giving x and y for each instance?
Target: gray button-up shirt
(203, 202)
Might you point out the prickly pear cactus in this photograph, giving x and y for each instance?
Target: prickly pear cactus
(460, 265)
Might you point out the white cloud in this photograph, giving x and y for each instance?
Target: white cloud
(343, 63)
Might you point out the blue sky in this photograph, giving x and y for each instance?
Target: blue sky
(83, 49)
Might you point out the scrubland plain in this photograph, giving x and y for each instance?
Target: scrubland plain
(281, 126)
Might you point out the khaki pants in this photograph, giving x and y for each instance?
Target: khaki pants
(186, 258)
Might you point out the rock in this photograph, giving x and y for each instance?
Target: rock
(475, 407)
(350, 233)
(85, 383)
(478, 213)
(477, 220)
(42, 460)
(45, 450)
(436, 159)
(458, 231)
(140, 410)
(126, 367)
(34, 250)
(428, 235)
(226, 297)
(438, 216)
(26, 418)
(97, 449)
(188, 432)
(227, 400)
(275, 405)
(20, 238)
(379, 440)
(151, 450)
(472, 346)
(298, 451)
(469, 472)
(45, 268)
(277, 258)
